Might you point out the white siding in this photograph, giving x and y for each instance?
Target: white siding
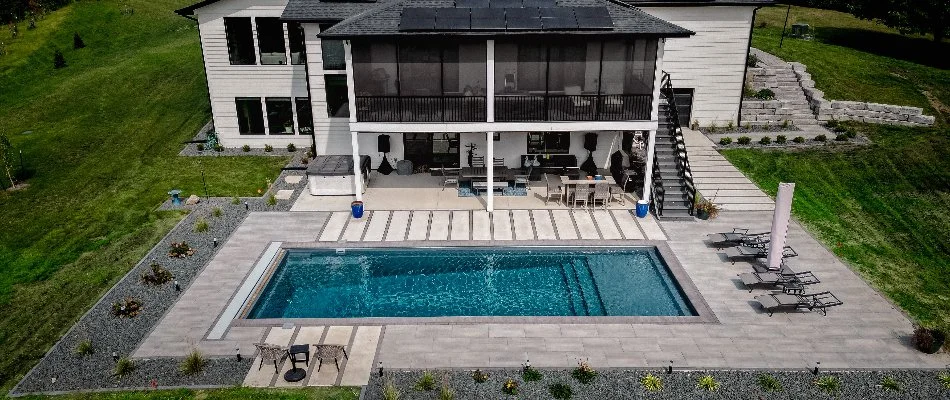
(333, 134)
(713, 61)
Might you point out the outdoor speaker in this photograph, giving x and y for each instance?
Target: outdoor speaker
(382, 143)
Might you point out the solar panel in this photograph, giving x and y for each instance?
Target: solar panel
(558, 19)
(453, 24)
(472, 3)
(539, 3)
(594, 23)
(523, 19)
(453, 13)
(591, 12)
(504, 3)
(488, 19)
(418, 12)
(417, 19)
(561, 12)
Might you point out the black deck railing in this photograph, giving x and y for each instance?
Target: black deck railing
(420, 108)
(683, 168)
(613, 107)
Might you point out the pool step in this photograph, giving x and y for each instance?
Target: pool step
(585, 277)
(578, 306)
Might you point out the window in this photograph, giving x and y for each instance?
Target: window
(250, 116)
(304, 113)
(270, 41)
(549, 142)
(337, 98)
(280, 115)
(240, 41)
(332, 52)
(298, 47)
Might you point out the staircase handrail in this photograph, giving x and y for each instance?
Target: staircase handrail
(683, 167)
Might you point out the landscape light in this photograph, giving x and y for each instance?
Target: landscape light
(669, 370)
(115, 356)
(817, 364)
(238, 351)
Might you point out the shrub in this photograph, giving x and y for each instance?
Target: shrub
(200, 146)
(127, 308)
(446, 393)
(851, 132)
(235, 200)
(58, 60)
(124, 367)
(268, 148)
(201, 225)
(218, 148)
(889, 383)
(747, 92)
(831, 123)
(77, 41)
(768, 383)
(479, 377)
(924, 338)
(786, 124)
(310, 154)
(781, 139)
(193, 364)
(157, 275)
(426, 382)
(216, 212)
(291, 147)
(765, 94)
(829, 384)
(584, 373)
(841, 137)
(821, 138)
(730, 126)
(747, 126)
(799, 139)
(530, 374)
(707, 383)
(765, 140)
(725, 141)
(560, 391)
(743, 140)
(712, 127)
(245, 148)
(652, 383)
(944, 378)
(752, 61)
(272, 200)
(510, 387)
(84, 348)
(180, 250)
(390, 392)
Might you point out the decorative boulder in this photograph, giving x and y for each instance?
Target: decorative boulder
(192, 200)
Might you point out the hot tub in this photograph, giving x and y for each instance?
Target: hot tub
(333, 175)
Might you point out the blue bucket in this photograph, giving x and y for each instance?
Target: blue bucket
(357, 208)
(642, 208)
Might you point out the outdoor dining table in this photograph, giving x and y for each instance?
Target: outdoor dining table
(567, 182)
(500, 173)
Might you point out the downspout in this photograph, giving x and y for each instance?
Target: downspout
(306, 74)
(745, 72)
(201, 45)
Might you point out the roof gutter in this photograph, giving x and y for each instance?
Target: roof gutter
(745, 72)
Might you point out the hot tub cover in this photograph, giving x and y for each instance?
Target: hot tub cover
(336, 165)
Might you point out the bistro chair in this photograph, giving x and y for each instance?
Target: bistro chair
(271, 352)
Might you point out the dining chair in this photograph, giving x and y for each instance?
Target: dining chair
(601, 194)
(498, 162)
(478, 162)
(449, 178)
(582, 192)
(554, 189)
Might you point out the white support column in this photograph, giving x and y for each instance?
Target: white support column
(654, 115)
(490, 117)
(354, 140)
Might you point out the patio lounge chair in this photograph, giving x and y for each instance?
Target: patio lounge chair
(750, 252)
(785, 301)
(271, 352)
(773, 279)
(737, 237)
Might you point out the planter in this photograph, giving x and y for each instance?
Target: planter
(939, 339)
(642, 208)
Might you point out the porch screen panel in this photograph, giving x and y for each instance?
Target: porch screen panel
(628, 66)
(463, 81)
(420, 82)
(374, 69)
(240, 40)
(270, 41)
(250, 115)
(280, 115)
(572, 81)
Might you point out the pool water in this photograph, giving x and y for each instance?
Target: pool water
(440, 282)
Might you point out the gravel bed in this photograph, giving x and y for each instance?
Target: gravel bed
(109, 334)
(859, 140)
(625, 384)
(191, 149)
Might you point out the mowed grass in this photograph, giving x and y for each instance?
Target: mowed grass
(105, 133)
(885, 208)
(323, 393)
(854, 59)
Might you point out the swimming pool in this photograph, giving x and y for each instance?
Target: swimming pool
(466, 281)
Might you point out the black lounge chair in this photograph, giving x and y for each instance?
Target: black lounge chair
(792, 281)
(738, 236)
(755, 252)
(789, 301)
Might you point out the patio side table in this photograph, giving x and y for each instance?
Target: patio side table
(297, 374)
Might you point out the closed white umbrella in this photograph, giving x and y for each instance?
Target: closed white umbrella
(783, 212)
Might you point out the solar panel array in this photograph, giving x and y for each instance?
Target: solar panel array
(505, 15)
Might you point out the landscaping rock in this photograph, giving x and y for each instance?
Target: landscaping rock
(192, 200)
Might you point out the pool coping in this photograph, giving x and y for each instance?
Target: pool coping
(689, 289)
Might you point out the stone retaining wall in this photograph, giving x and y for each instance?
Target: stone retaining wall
(771, 112)
(840, 110)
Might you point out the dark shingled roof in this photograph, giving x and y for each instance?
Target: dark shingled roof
(318, 11)
(698, 3)
(383, 20)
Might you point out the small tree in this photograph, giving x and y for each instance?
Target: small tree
(6, 158)
(907, 16)
(58, 60)
(77, 41)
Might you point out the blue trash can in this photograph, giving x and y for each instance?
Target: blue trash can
(357, 208)
(642, 208)
(176, 197)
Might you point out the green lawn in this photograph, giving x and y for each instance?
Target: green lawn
(853, 59)
(105, 133)
(885, 208)
(327, 393)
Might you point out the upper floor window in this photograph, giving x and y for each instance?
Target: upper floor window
(249, 114)
(298, 46)
(304, 113)
(240, 41)
(332, 51)
(270, 41)
(337, 97)
(280, 115)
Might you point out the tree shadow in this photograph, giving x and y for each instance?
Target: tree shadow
(918, 50)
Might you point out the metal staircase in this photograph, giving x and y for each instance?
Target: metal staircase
(674, 193)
